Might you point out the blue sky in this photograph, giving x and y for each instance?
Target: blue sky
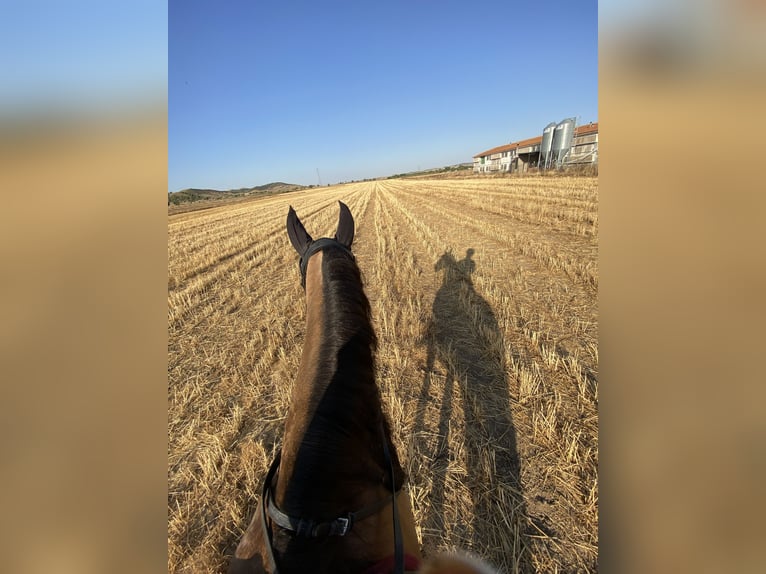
(271, 91)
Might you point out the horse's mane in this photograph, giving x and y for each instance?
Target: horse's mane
(344, 433)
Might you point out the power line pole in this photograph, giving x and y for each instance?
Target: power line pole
(319, 179)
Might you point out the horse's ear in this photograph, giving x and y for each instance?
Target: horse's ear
(298, 235)
(345, 233)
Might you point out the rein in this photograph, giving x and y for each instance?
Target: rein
(339, 526)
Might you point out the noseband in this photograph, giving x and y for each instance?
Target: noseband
(339, 526)
(319, 245)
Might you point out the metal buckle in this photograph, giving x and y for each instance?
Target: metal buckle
(345, 525)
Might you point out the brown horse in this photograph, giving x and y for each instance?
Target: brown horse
(332, 500)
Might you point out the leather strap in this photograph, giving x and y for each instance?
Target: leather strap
(262, 511)
(398, 543)
(319, 245)
(339, 526)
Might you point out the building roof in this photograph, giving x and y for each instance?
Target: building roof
(582, 130)
(530, 141)
(586, 129)
(498, 149)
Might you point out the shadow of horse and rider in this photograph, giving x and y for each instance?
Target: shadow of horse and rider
(465, 346)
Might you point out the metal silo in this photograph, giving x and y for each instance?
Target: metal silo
(545, 145)
(562, 139)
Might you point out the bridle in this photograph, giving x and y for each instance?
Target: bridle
(339, 526)
(319, 245)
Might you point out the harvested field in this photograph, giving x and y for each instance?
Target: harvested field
(484, 298)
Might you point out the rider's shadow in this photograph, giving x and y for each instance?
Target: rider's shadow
(466, 346)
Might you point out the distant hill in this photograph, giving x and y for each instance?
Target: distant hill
(459, 169)
(278, 187)
(194, 194)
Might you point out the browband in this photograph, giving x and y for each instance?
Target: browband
(319, 245)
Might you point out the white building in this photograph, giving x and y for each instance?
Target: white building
(521, 155)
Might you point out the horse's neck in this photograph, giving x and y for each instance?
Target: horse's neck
(333, 412)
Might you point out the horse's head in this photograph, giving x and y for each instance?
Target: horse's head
(306, 246)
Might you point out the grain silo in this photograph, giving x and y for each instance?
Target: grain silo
(545, 145)
(562, 140)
